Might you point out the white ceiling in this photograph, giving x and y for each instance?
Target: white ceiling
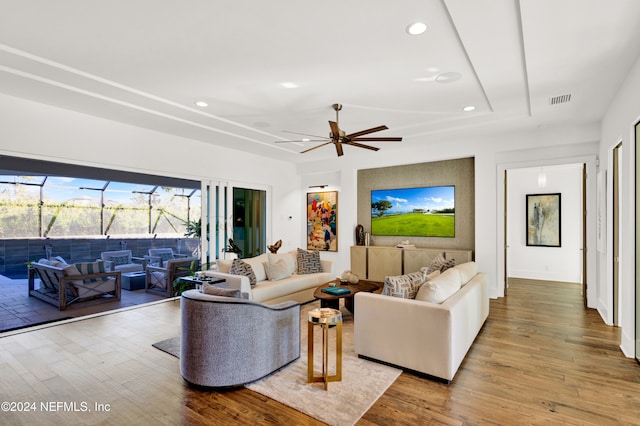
(146, 62)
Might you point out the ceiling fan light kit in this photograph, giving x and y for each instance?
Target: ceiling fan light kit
(339, 137)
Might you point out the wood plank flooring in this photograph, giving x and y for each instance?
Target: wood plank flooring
(541, 358)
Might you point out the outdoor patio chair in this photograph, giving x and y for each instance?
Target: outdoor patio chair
(159, 256)
(160, 279)
(122, 261)
(62, 284)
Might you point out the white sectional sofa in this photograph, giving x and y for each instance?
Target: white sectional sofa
(421, 336)
(290, 285)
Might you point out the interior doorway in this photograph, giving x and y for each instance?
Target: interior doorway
(565, 262)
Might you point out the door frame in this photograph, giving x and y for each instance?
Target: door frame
(591, 189)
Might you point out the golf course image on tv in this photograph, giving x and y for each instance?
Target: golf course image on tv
(414, 212)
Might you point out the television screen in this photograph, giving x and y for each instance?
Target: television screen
(414, 212)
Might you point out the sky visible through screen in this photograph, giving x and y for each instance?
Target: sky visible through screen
(406, 200)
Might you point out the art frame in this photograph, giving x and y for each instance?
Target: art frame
(322, 221)
(543, 220)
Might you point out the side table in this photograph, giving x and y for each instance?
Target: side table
(133, 280)
(325, 318)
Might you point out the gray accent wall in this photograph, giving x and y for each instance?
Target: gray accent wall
(458, 172)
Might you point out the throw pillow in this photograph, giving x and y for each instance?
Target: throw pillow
(288, 258)
(91, 267)
(437, 263)
(440, 288)
(224, 265)
(467, 271)
(448, 264)
(238, 267)
(256, 264)
(120, 260)
(276, 271)
(309, 262)
(403, 286)
(220, 291)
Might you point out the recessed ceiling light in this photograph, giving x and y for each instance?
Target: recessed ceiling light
(469, 108)
(289, 85)
(202, 104)
(448, 77)
(306, 140)
(416, 28)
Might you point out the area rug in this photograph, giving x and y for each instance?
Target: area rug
(363, 381)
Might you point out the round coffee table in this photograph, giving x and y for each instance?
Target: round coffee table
(333, 300)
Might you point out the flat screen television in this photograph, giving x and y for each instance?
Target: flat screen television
(414, 212)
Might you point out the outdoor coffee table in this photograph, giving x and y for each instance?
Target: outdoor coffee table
(333, 300)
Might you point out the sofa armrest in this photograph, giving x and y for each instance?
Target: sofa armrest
(405, 332)
(141, 260)
(239, 282)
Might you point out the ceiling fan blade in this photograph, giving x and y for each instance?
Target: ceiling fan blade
(304, 140)
(335, 130)
(315, 147)
(339, 148)
(366, 132)
(374, 139)
(359, 145)
(305, 134)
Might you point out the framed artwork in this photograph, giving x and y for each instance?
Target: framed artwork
(322, 221)
(543, 220)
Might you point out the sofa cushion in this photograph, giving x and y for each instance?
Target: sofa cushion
(308, 262)
(220, 291)
(256, 264)
(403, 286)
(288, 258)
(269, 290)
(440, 288)
(276, 271)
(467, 271)
(239, 267)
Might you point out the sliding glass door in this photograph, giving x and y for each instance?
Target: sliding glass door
(249, 221)
(236, 221)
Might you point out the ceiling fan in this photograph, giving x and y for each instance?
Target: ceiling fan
(339, 137)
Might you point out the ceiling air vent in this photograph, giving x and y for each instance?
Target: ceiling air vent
(560, 99)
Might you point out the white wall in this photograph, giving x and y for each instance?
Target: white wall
(561, 145)
(562, 263)
(618, 126)
(38, 131)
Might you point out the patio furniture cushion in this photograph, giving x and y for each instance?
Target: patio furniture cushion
(123, 261)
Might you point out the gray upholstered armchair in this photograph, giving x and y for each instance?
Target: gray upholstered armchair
(228, 341)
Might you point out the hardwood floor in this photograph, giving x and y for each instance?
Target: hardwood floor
(541, 358)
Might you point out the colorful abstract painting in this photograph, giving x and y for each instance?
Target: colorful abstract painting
(322, 221)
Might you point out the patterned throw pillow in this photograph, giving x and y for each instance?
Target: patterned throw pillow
(437, 264)
(448, 264)
(403, 286)
(238, 267)
(309, 262)
(120, 260)
(85, 269)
